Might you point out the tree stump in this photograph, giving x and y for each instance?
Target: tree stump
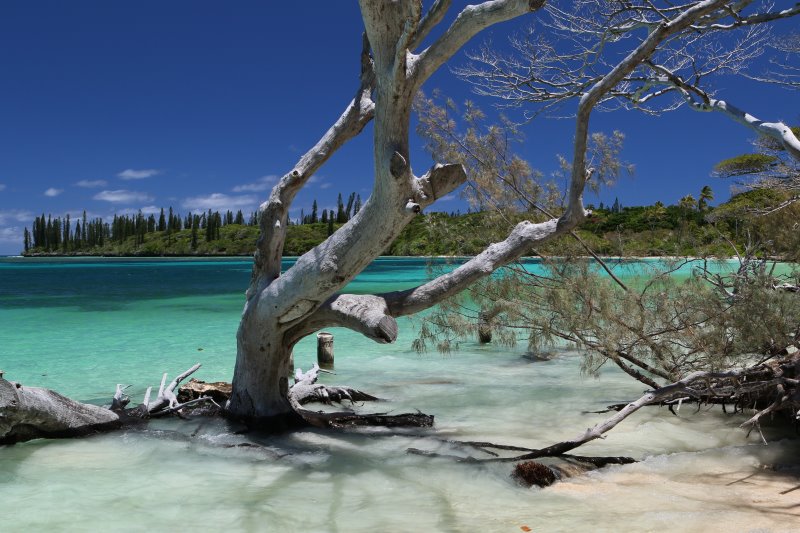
(484, 328)
(324, 349)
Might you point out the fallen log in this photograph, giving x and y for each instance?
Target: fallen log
(28, 413)
(31, 412)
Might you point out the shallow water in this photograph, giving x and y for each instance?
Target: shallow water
(81, 326)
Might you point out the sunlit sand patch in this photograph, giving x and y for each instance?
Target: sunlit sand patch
(710, 491)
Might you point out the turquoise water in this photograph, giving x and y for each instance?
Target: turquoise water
(79, 326)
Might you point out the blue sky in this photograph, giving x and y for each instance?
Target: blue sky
(114, 106)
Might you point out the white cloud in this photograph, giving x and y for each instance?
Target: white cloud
(123, 196)
(146, 210)
(12, 234)
(448, 198)
(16, 215)
(2, 186)
(53, 192)
(262, 184)
(91, 184)
(219, 202)
(150, 210)
(131, 174)
(325, 185)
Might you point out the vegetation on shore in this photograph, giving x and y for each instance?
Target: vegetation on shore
(689, 228)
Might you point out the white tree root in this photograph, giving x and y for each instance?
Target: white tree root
(306, 390)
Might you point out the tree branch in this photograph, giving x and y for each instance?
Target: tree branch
(776, 130)
(521, 239)
(307, 390)
(364, 313)
(373, 315)
(275, 211)
(468, 23)
(758, 18)
(617, 74)
(433, 17)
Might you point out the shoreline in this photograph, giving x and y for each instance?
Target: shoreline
(466, 257)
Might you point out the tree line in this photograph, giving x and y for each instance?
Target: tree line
(344, 212)
(64, 234)
(54, 233)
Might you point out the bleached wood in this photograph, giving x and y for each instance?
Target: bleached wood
(120, 399)
(166, 399)
(431, 19)
(775, 130)
(31, 412)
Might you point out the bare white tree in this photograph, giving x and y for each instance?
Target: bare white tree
(283, 308)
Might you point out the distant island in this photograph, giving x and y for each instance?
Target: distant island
(688, 228)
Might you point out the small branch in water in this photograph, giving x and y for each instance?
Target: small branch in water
(307, 390)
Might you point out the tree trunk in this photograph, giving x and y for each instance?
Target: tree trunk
(283, 307)
(261, 376)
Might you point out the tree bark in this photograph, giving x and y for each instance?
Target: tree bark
(30, 412)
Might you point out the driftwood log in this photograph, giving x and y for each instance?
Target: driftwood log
(30, 412)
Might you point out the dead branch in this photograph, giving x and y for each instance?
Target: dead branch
(307, 390)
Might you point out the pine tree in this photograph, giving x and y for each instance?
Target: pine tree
(340, 216)
(48, 237)
(349, 210)
(314, 217)
(27, 240)
(209, 226)
(324, 216)
(330, 226)
(66, 235)
(194, 232)
(162, 223)
(357, 205)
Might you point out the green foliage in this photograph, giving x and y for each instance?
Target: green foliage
(744, 164)
(656, 230)
(661, 328)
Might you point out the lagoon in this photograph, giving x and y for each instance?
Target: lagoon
(81, 325)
